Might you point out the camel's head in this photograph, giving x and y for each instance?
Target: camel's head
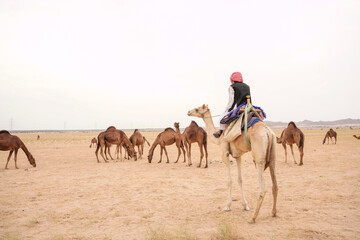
(131, 152)
(278, 140)
(176, 125)
(199, 112)
(32, 160)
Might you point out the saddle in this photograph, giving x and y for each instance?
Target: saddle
(237, 121)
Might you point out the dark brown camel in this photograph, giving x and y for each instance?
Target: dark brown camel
(330, 134)
(93, 142)
(138, 140)
(38, 137)
(193, 133)
(356, 137)
(291, 135)
(113, 136)
(165, 138)
(12, 143)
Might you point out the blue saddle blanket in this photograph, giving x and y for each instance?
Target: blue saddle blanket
(235, 114)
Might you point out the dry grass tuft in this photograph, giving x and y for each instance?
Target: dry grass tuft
(226, 231)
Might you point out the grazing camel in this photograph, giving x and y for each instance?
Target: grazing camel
(12, 143)
(356, 137)
(93, 142)
(262, 140)
(165, 138)
(289, 136)
(138, 140)
(193, 133)
(113, 136)
(330, 134)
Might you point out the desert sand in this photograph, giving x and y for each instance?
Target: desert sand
(71, 196)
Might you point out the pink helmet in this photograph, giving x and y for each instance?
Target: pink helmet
(236, 77)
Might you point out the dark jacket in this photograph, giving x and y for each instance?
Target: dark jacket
(241, 90)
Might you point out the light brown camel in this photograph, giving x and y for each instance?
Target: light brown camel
(165, 138)
(138, 140)
(262, 140)
(12, 143)
(292, 135)
(330, 134)
(93, 142)
(193, 133)
(356, 137)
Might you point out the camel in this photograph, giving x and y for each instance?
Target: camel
(12, 143)
(138, 140)
(165, 138)
(356, 137)
(330, 134)
(113, 136)
(193, 133)
(262, 140)
(38, 137)
(289, 136)
(93, 142)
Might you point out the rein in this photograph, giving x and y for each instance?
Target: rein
(203, 114)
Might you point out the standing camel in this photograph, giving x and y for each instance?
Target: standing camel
(138, 140)
(357, 137)
(93, 142)
(289, 136)
(330, 134)
(193, 133)
(262, 140)
(165, 138)
(12, 143)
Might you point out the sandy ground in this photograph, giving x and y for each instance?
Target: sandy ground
(71, 196)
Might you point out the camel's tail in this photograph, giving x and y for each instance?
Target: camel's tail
(269, 148)
(146, 141)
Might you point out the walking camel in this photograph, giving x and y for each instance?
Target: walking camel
(12, 143)
(193, 133)
(166, 138)
(357, 137)
(330, 134)
(138, 140)
(262, 140)
(292, 135)
(93, 142)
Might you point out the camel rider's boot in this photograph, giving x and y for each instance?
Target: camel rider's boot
(218, 133)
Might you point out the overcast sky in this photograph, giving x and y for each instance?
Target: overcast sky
(144, 64)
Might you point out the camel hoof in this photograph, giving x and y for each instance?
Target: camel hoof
(206, 166)
(198, 166)
(227, 209)
(251, 221)
(246, 208)
(300, 164)
(273, 214)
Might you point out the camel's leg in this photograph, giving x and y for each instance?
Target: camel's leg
(102, 154)
(179, 152)
(301, 150)
(15, 158)
(274, 187)
(244, 202)
(201, 154)
(183, 150)
(262, 192)
(109, 153)
(167, 157)
(284, 146)
(187, 150)
(292, 152)
(10, 153)
(161, 152)
(96, 153)
(206, 155)
(189, 154)
(225, 158)
(120, 148)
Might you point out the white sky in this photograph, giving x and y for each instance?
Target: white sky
(144, 64)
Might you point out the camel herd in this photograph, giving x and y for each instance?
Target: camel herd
(260, 140)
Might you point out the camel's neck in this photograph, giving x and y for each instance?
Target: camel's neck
(153, 146)
(210, 128)
(26, 151)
